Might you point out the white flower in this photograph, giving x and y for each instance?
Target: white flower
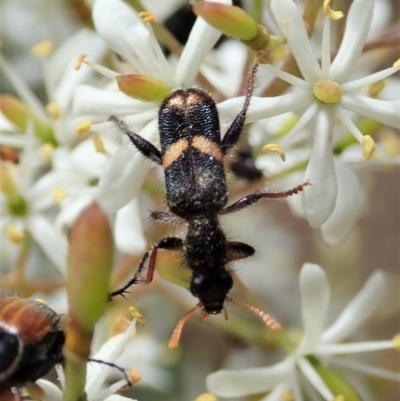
(321, 344)
(60, 81)
(311, 100)
(34, 200)
(98, 374)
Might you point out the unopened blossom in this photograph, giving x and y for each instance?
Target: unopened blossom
(98, 387)
(325, 93)
(317, 342)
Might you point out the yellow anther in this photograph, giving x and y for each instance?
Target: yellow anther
(147, 16)
(46, 150)
(396, 64)
(376, 88)
(368, 146)
(53, 110)
(59, 194)
(273, 147)
(331, 13)
(396, 341)
(137, 315)
(134, 376)
(98, 144)
(287, 395)
(41, 301)
(206, 397)
(43, 49)
(14, 235)
(83, 128)
(120, 325)
(327, 91)
(79, 61)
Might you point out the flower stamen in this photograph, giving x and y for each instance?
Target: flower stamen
(46, 150)
(83, 128)
(98, 144)
(368, 146)
(53, 110)
(335, 15)
(147, 16)
(43, 49)
(59, 195)
(79, 61)
(15, 235)
(137, 315)
(273, 147)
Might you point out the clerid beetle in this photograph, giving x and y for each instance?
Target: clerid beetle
(31, 343)
(192, 156)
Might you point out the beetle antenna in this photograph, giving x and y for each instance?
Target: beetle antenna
(176, 335)
(267, 319)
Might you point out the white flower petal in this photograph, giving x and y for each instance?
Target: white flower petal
(40, 194)
(23, 90)
(129, 233)
(201, 40)
(109, 352)
(123, 177)
(231, 383)
(314, 378)
(353, 348)
(108, 392)
(51, 391)
(320, 197)
(369, 79)
(385, 111)
(53, 243)
(98, 104)
(60, 67)
(361, 366)
(358, 310)
(285, 76)
(117, 397)
(358, 23)
(276, 393)
(126, 34)
(303, 121)
(349, 124)
(72, 208)
(350, 205)
(291, 23)
(264, 107)
(315, 292)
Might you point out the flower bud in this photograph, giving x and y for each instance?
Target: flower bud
(16, 203)
(143, 87)
(233, 21)
(89, 267)
(18, 113)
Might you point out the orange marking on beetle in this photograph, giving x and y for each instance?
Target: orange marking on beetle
(207, 147)
(174, 152)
